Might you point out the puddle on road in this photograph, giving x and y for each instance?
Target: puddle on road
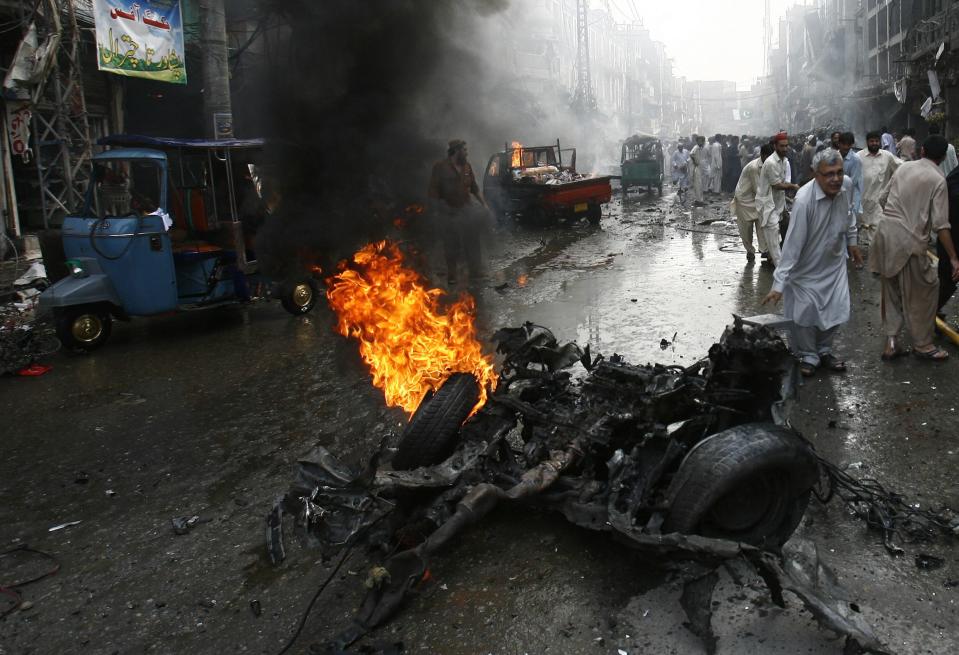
(644, 276)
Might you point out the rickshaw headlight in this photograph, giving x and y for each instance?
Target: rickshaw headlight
(76, 268)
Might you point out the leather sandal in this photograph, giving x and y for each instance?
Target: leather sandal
(807, 370)
(937, 354)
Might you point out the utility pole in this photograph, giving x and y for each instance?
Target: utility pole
(767, 37)
(217, 109)
(583, 98)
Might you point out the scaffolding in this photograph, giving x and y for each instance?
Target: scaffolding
(62, 145)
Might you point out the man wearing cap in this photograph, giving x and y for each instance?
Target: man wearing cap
(771, 194)
(459, 206)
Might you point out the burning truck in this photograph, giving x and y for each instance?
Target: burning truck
(693, 464)
(539, 185)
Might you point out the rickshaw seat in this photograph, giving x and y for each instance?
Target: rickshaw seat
(193, 251)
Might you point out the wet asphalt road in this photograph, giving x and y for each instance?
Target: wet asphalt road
(205, 414)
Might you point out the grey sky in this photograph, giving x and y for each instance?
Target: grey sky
(707, 39)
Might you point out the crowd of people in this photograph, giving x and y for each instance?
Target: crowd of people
(816, 201)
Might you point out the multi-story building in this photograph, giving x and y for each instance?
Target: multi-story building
(863, 64)
(631, 73)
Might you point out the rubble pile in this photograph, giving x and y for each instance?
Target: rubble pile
(547, 175)
(23, 340)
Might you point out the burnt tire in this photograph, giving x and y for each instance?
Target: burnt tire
(750, 483)
(433, 433)
(300, 297)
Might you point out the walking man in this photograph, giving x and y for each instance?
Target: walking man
(888, 141)
(951, 161)
(715, 164)
(878, 165)
(678, 163)
(743, 205)
(907, 145)
(917, 206)
(811, 279)
(697, 158)
(852, 166)
(771, 195)
(458, 205)
(805, 160)
(947, 285)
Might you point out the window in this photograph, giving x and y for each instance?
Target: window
(127, 187)
(883, 25)
(873, 66)
(884, 65)
(894, 12)
(871, 34)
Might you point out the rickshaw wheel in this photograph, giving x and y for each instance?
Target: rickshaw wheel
(300, 298)
(84, 328)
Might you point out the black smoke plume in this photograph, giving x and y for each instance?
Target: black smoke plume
(360, 98)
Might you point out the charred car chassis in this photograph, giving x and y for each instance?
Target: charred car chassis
(696, 466)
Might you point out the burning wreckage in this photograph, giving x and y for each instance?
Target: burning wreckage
(696, 467)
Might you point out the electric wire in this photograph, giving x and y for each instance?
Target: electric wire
(309, 608)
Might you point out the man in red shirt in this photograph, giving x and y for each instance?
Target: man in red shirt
(459, 207)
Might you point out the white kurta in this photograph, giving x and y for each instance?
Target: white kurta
(744, 198)
(950, 162)
(715, 166)
(696, 160)
(812, 273)
(877, 170)
(680, 170)
(769, 201)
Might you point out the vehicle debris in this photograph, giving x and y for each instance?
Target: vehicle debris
(628, 450)
(183, 524)
(926, 562)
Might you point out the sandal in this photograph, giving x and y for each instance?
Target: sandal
(937, 354)
(807, 370)
(831, 363)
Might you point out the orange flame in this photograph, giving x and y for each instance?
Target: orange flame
(516, 160)
(410, 342)
(522, 280)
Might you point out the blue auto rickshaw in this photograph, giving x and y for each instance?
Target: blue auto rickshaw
(159, 232)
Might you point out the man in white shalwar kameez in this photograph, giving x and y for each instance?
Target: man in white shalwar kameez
(743, 205)
(771, 195)
(811, 278)
(697, 160)
(678, 164)
(878, 165)
(715, 165)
